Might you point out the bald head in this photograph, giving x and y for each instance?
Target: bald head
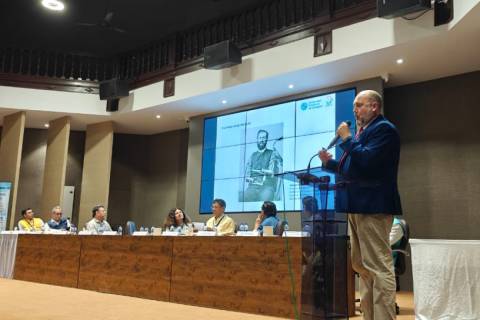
(373, 97)
(367, 106)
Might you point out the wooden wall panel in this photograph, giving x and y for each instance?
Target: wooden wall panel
(50, 259)
(131, 266)
(245, 275)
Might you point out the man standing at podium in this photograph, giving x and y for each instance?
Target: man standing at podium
(368, 193)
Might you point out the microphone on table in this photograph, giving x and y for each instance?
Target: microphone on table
(337, 137)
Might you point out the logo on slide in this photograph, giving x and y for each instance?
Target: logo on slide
(304, 106)
(329, 101)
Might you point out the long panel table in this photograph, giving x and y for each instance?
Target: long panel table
(233, 273)
(131, 266)
(48, 259)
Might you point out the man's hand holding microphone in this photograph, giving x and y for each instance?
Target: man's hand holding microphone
(343, 132)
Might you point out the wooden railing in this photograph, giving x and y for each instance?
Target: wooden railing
(274, 23)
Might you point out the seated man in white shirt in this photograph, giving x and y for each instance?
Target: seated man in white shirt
(98, 224)
(220, 222)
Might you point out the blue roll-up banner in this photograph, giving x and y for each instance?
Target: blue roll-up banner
(5, 188)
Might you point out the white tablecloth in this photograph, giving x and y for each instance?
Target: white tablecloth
(446, 279)
(8, 248)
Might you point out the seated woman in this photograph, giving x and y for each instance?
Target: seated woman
(267, 217)
(178, 221)
(29, 223)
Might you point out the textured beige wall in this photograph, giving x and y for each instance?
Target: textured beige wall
(96, 169)
(55, 165)
(73, 175)
(128, 177)
(166, 171)
(148, 177)
(31, 171)
(439, 177)
(32, 168)
(10, 157)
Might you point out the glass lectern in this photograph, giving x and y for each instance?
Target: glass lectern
(324, 246)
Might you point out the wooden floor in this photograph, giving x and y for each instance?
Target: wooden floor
(405, 301)
(27, 300)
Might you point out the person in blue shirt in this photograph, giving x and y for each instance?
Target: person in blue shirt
(58, 222)
(267, 217)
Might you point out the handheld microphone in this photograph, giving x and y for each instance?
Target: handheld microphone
(337, 137)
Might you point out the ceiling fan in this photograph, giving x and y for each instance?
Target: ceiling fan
(105, 23)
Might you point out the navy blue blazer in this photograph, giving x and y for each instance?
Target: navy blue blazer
(367, 179)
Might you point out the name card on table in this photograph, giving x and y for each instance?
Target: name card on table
(109, 233)
(54, 231)
(267, 231)
(84, 233)
(198, 225)
(248, 234)
(296, 234)
(140, 233)
(206, 233)
(157, 232)
(11, 232)
(171, 233)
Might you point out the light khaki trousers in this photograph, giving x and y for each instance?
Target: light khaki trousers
(372, 260)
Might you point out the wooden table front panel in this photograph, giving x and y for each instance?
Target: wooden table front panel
(49, 259)
(239, 274)
(132, 266)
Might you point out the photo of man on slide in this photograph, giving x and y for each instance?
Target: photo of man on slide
(263, 164)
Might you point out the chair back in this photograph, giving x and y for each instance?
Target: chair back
(130, 228)
(279, 228)
(406, 234)
(400, 262)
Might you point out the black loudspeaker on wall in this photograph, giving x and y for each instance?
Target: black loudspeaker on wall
(221, 55)
(113, 89)
(112, 105)
(397, 8)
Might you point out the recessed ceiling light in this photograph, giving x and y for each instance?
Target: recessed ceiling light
(54, 5)
(158, 116)
(224, 101)
(291, 86)
(399, 61)
(46, 125)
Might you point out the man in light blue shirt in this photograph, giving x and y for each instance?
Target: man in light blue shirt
(99, 223)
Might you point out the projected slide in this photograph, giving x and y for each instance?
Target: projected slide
(244, 152)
